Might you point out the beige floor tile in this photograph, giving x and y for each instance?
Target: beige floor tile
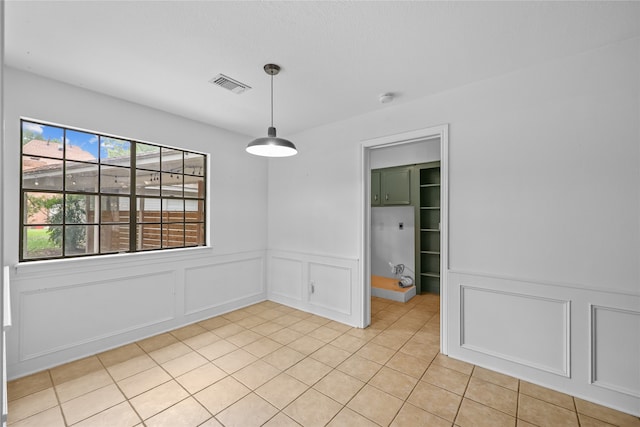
(217, 349)
(446, 378)
(407, 364)
(544, 414)
(234, 361)
(283, 358)
(212, 422)
(184, 364)
(256, 374)
(318, 320)
(419, 350)
(143, 381)
(325, 334)
(250, 411)
(49, 418)
(286, 320)
(251, 322)
(359, 368)
(376, 353)
(74, 388)
(31, 404)
(214, 323)
(602, 413)
(548, 395)
(267, 328)
(187, 413)
(436, 400)
(202, 340)
(348, 342)
(304, 327)
(523, 423)
(330, 355)
(427, 338)
(412, 416)
(121, 415)
(158, 399)
(131, 367)
(496, 378)
(77, 369)
(120, 354)
(285, 336)
(309, 371)
(366, 334)
(339, 386)
(157, 342)
(306, 345)
(281, 390)
(170, 352)
(262, 347)
(376, 405)
(492, 395)
(28, 385)
(456, 365)
(586, 421)
(473, 414)
(347, 417)
(188, 331)
(244, 338)
(313, 409)
(393, 382)
(236, 315)
(281, 420)
(228, 330)
(392, 340)
(91, 403)
(222, 394)
(201, 377)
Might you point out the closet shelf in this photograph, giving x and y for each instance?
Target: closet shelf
(430, 252)
(430, 207)
(430, 274)
(430, 229)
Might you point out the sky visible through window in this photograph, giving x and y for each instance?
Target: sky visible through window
(88, 142)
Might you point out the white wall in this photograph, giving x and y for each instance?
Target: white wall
(67, 309)
(405, 154)
(389, 243)
(544, 207)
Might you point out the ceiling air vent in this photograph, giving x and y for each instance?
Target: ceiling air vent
(229, 84)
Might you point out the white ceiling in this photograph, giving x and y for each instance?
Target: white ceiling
(336, 57)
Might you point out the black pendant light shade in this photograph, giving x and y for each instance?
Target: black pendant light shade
(271, 145)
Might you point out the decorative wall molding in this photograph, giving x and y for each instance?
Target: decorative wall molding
(595, 334)
(323, 285)
(78, 316)
(607, 368)
(529, 342)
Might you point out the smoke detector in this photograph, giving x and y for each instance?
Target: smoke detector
(385, 98)
(229, 84)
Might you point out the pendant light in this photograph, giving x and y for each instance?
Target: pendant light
(271, 145)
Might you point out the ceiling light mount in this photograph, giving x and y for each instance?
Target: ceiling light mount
(271, 146)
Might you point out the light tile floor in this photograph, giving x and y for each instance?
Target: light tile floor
(270, 365)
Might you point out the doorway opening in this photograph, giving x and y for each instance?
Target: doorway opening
(425, 146)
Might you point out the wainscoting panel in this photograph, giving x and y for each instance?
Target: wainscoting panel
(521, 328)
(76, 308)
(577, 340)
(211, 286)
(330, 287)
(285, 277)
(614, 342)
(48, 323)
(323, 285)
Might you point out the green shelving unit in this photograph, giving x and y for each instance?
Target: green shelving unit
(428, 242)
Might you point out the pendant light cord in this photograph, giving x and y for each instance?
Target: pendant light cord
(271, 100)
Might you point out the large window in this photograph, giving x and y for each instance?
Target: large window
(83, 193)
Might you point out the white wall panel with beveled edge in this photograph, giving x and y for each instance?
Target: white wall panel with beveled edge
(323, 285)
